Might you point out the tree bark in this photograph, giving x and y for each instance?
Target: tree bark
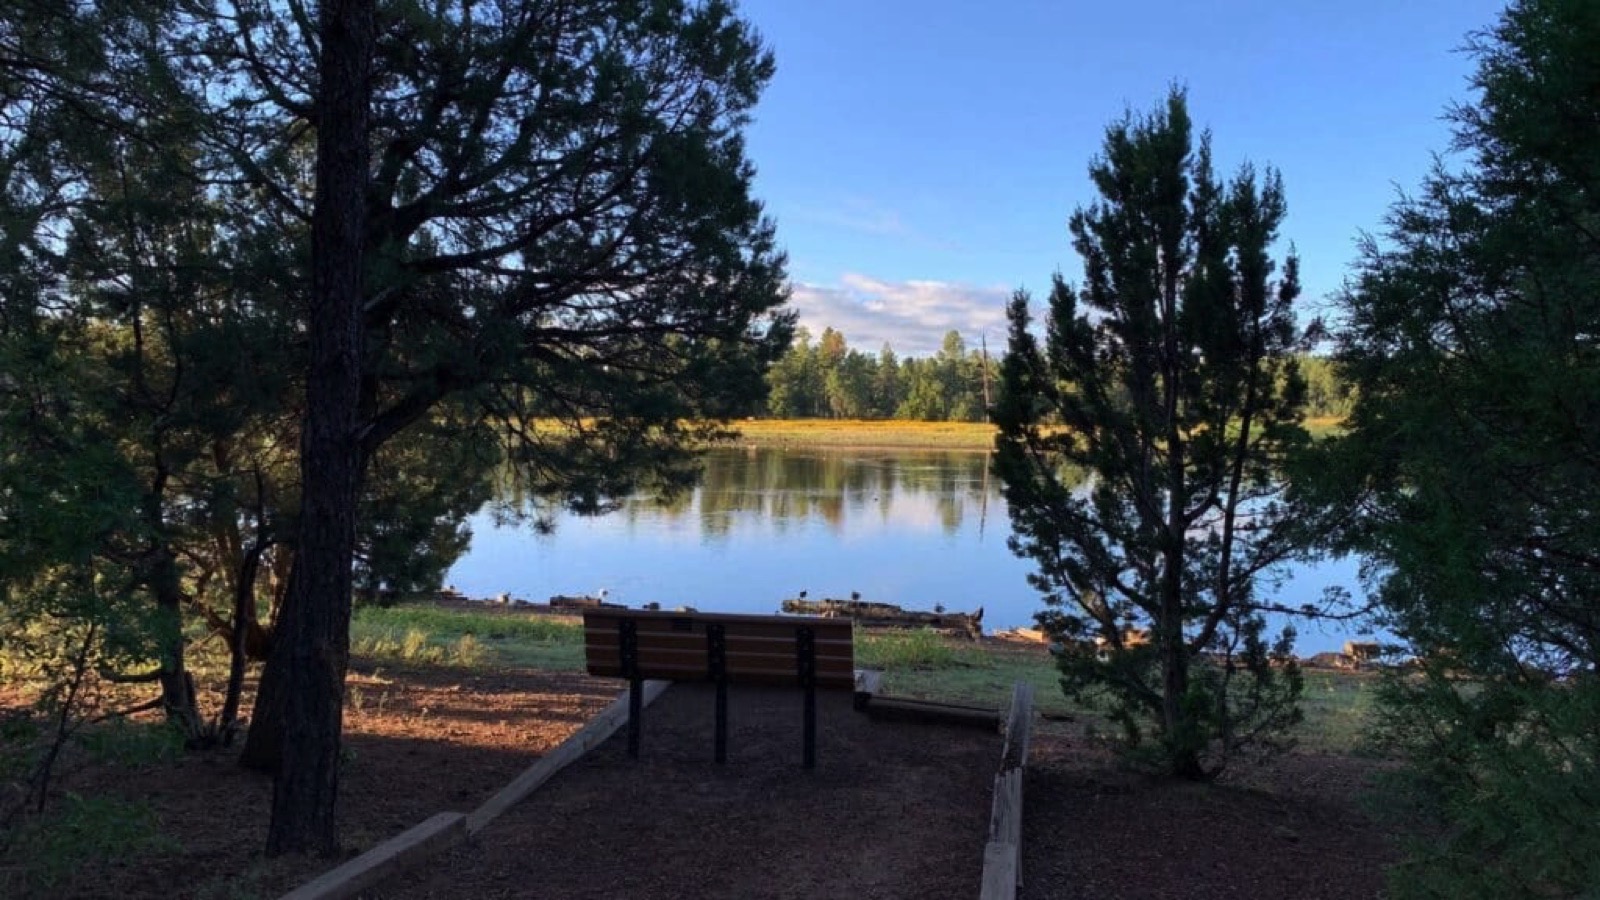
(1176, 713)
(311, 645)
(244, 616)
(177, 688)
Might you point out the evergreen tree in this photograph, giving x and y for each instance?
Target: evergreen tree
(850, 387)
(1171, 372)
(601, 262)
(925, 397)
(886, 384)
(1472, 466)
(795, 387)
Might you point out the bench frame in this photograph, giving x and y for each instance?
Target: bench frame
(670, 648)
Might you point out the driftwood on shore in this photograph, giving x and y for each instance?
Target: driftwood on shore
(560, 601)
(887, 615)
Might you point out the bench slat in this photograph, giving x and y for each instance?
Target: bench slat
(784, 678)
(756, 649)
(823, 630)
(735, 659)
(742, 620)
(833, 662)
(608, 639)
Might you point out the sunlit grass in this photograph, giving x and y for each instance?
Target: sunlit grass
(919, 649)
(1324, 426)
(892, 433)
(866, 433)
(420, 634)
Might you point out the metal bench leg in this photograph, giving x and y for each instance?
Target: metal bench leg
(635, 705)
(628, 647)
(805, 646)
(717, 665)
(811, 727)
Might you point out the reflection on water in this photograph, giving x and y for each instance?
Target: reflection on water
(917, 528)
(784, 491)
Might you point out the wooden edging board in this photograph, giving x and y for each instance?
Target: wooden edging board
(873, 702)
(585, 739)
(444, 830)
(1002, 855)
(883, 707)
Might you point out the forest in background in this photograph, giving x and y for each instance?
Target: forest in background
(827, 378)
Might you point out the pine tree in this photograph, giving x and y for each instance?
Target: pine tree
(1169, 378)
(1471, 463)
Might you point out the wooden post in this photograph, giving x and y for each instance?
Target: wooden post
(1002, 855)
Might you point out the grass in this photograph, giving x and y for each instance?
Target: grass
(1338, 707)
(919, 650)
(79, 832)
(1324, 426)
(866, 433)
(425, 634)
(894, 433)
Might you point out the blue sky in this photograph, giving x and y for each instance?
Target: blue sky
(922, 157)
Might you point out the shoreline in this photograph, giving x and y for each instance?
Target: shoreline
(1024, 639)
(896, 434)
(864, 434)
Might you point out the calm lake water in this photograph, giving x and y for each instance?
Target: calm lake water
(915, 528)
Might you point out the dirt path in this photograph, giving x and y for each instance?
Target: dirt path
(893, 810)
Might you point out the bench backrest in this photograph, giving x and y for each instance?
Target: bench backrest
(756, 649)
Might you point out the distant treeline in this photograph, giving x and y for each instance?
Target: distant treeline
(826, 378)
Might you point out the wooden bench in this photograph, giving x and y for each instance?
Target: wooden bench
(803, 651)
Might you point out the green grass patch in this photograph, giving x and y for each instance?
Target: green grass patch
(975, 676)
(453, 623)
(77, 832)
(436, 636)
(914, 650)
(131, 743)
(1339, 711)
(1339, 706)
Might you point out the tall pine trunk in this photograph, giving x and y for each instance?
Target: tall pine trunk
(311, 646)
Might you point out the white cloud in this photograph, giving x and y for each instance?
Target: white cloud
(911, 316)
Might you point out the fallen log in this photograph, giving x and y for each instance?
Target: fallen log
(887, 615)
(560, 601)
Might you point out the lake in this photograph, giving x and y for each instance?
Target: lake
(914, 528)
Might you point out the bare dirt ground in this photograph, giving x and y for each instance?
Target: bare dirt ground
(418, 741)
(892, 810)
(1294, 828)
